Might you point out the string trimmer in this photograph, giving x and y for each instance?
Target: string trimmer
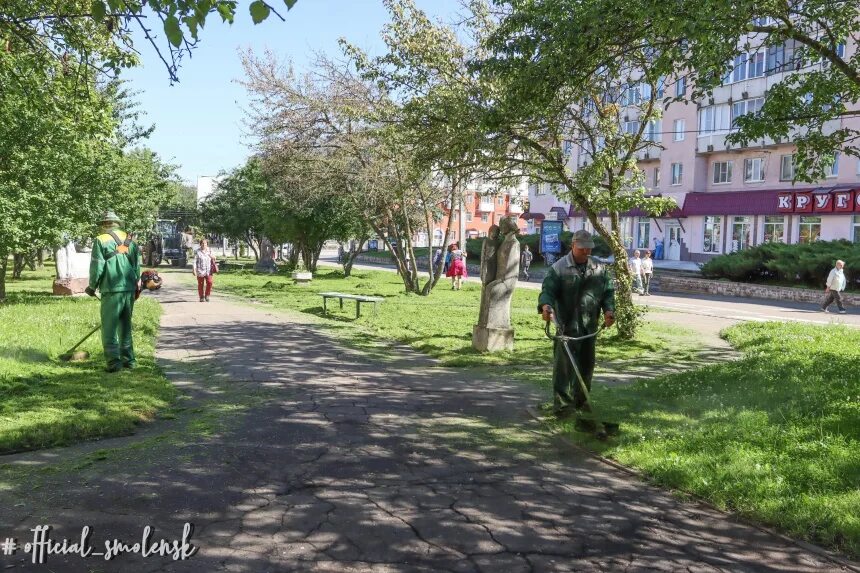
(602, 429)
(71, 355)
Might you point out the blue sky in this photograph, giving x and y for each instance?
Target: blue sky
(199, 120)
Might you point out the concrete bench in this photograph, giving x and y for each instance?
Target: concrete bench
(356, 297)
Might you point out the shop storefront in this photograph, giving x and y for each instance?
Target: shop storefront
(721, 223)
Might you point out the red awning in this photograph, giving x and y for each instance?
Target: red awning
(535, 216)
(762, 202)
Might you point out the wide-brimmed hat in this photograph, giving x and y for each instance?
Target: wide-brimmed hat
(110, 217)
(583, 239)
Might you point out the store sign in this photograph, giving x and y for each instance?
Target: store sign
(846, 201)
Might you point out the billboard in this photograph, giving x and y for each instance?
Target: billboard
(550, 236)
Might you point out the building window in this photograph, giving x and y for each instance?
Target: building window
(681, 87)
(677, 173)
(631, 95)
(656, 177)
(855, 226)
(786, 168)
(500, 201)
(714, 118)
(744, 107)
(775, 59)
(832, 169)
(810, 229)
(754, 169)
(485, 217)
(653, 130)
(755, 68)
(741, 228)
(456, 215)
(540, 188)
(680, 127)
(468, 215)
(711, 237)
(644, 235)
(774, 229)
(739, 73)
(631, 127)
(723, 171)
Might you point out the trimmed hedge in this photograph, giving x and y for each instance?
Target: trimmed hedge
(601, 248)
(807, 264)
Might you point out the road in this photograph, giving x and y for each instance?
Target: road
(732, 308)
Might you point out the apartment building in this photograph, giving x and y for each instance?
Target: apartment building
(729, 197)
(484, 205)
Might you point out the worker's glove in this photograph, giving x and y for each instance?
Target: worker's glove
(90, 291)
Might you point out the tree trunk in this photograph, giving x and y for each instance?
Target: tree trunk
(350, 257)
(40, 258)
(446, 240)
(18, 261)
(627, 316)
(4, 262)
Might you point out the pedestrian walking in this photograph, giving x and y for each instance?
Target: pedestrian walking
(526, 261)
(835, 286)
(115, 272)
(635, 266)
(205, 266)
(577, 289)
(448, 259)
(437, 258)
(647, 272)
(457, 267)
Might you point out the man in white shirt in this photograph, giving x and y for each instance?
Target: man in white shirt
(834, 288)
(635, 265)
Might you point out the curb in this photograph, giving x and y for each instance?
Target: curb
(812, 548)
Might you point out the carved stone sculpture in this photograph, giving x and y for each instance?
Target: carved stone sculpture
(266, 264)
(500, 267)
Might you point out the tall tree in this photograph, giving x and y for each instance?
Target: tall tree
(336, 123)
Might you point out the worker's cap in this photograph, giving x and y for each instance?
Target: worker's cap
(110, 217)
(583, 239)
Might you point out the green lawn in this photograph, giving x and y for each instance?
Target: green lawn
(774, 436)
(45, 402)
(440, 325)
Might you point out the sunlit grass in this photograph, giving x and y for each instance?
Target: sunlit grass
(774, 436)
(47, 402)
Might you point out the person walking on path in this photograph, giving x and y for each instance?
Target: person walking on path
(834, 288)
(635, 265)
(526, 261)
(204, 267)
(647, 272)
(115, 272)
(457, 267)
(576, 288)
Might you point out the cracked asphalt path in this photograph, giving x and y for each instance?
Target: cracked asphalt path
(306, 456)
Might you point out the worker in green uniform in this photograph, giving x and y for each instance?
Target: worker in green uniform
(115, 271)
(577, 288)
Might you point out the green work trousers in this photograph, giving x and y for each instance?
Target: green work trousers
(566, 388)
(117, 308)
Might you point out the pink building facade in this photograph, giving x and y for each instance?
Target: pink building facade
(732, 198)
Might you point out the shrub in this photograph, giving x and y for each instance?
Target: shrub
(806, 264)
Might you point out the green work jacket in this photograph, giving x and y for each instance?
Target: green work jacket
(578, 297)
(112, 271)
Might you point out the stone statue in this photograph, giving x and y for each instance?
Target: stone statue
(500, 267)
(266, 264)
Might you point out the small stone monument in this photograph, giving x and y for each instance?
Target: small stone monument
(73, 270)
(500, 267)
(266, 264)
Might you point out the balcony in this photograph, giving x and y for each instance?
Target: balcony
(515, 209)
(649, 154)
(487, 206)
